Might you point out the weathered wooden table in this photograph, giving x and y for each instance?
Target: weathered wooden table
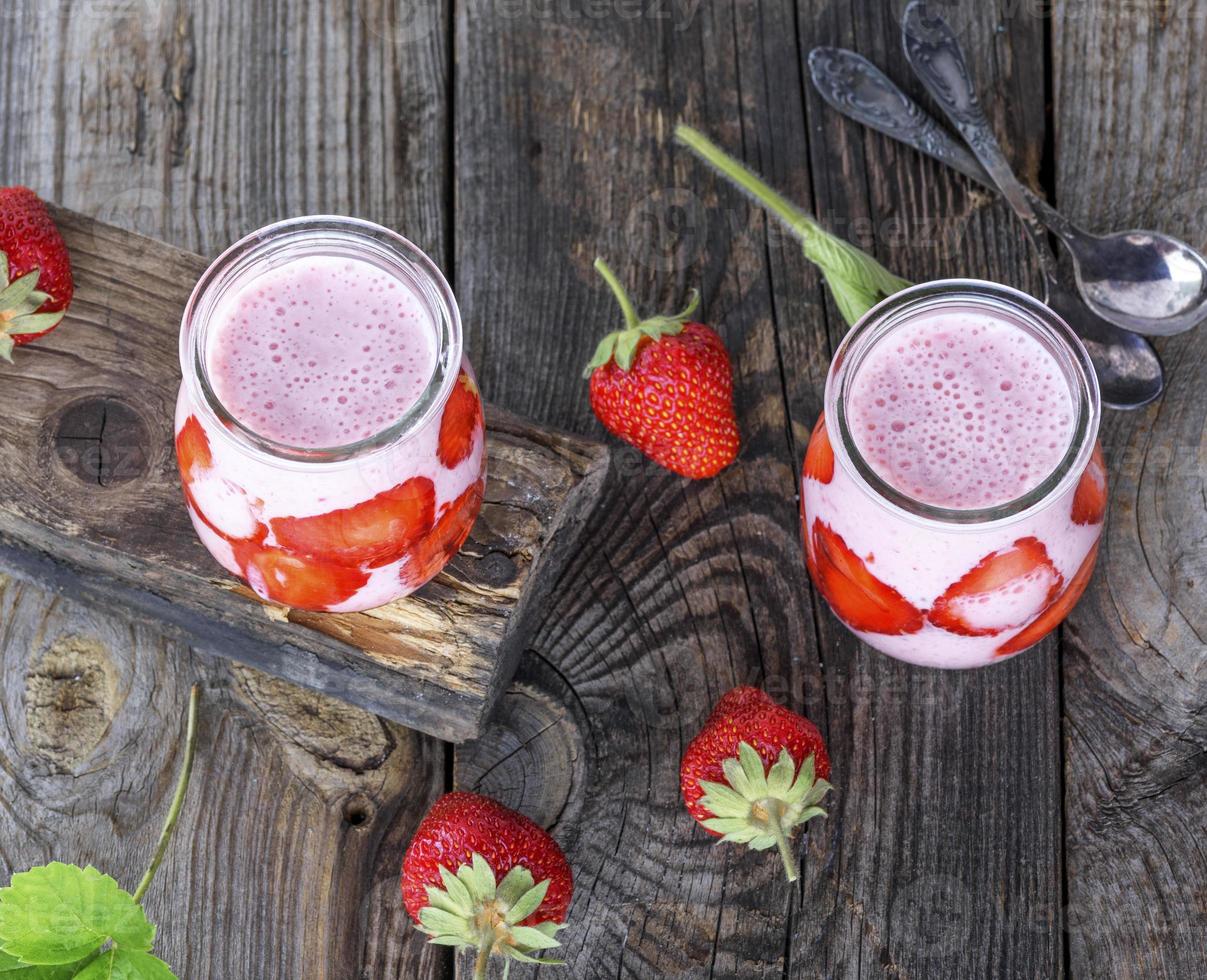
(1038, 819)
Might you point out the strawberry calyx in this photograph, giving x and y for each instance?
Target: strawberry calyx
(621, 345)
(20, 301)
(473, 911)
(762, 807)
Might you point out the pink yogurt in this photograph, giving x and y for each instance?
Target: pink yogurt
(976, 417)
(961, 410)
(322, 351)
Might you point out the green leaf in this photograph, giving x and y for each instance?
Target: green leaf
(437, 922)
(60, 913)
(529, 939)
(752, 765)
(737, 778)
(6, 347)
(12, 968)
(722, 801)
(127, 964)
(19, 292)
(528, 903)
(626, 348)
(603, 354)
(457, 892)
(779, 780)
(33, 323)
(515, 885)
(439, 899)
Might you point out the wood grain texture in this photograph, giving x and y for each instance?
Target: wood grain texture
(106, 381)
(293, 794)
(687, 589)
(1135, 689)
(197, 121)
(944, 855)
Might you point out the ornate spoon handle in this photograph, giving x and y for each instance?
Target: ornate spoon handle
(936, 58)
(861, 91)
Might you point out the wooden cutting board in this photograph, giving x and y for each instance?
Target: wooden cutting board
(90, 503)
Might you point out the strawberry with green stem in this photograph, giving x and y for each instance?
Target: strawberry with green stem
(755, 773)
(665, 385)
(478, 875)
(35, 270)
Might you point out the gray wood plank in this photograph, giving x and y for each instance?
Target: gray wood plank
(196, 121)
(1131, 151)
(943, 849)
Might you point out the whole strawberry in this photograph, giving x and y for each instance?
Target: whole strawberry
(755, 773)
(665, 386)
(480, 875)
(35, 271)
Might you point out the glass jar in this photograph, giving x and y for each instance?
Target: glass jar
(952, 586)
(343, 527)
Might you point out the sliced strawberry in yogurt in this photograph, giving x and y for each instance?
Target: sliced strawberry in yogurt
(857, 596)
(1054, 615)
(217, 502)
(819, 457)
(1006, 589)
(1089, 500)
(304, 583)
(372, 533)
(436, 549)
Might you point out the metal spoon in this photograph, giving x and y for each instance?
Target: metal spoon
(1129, 371)
(1143, 281)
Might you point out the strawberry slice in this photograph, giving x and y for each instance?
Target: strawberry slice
(1054, 615)
(819, 457)
(208, 493)
(300, 583)
(462, 418)
(1089, 501)
(375, 532)
(437, 549)
(1006, 589)
(193, 450)
(858, 598)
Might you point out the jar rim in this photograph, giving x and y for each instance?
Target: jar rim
(1046, 325)
(321, 235)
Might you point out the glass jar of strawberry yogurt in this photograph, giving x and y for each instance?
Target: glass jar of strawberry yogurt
(329, 430)
(954, 491)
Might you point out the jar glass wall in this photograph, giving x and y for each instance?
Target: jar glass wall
(959, 582)
(318, 499)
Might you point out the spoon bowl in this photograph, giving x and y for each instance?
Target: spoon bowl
(1140, 280)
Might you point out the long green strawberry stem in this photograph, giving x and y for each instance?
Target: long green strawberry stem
(182, 787)
(618, 290)
(800, 223)
(857, 281)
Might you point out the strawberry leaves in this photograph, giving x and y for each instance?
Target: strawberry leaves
(473, 910)
(19, 303)
(12, 968)
(760, 807)
(59, 914)
(125, 964)
(621, 345)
